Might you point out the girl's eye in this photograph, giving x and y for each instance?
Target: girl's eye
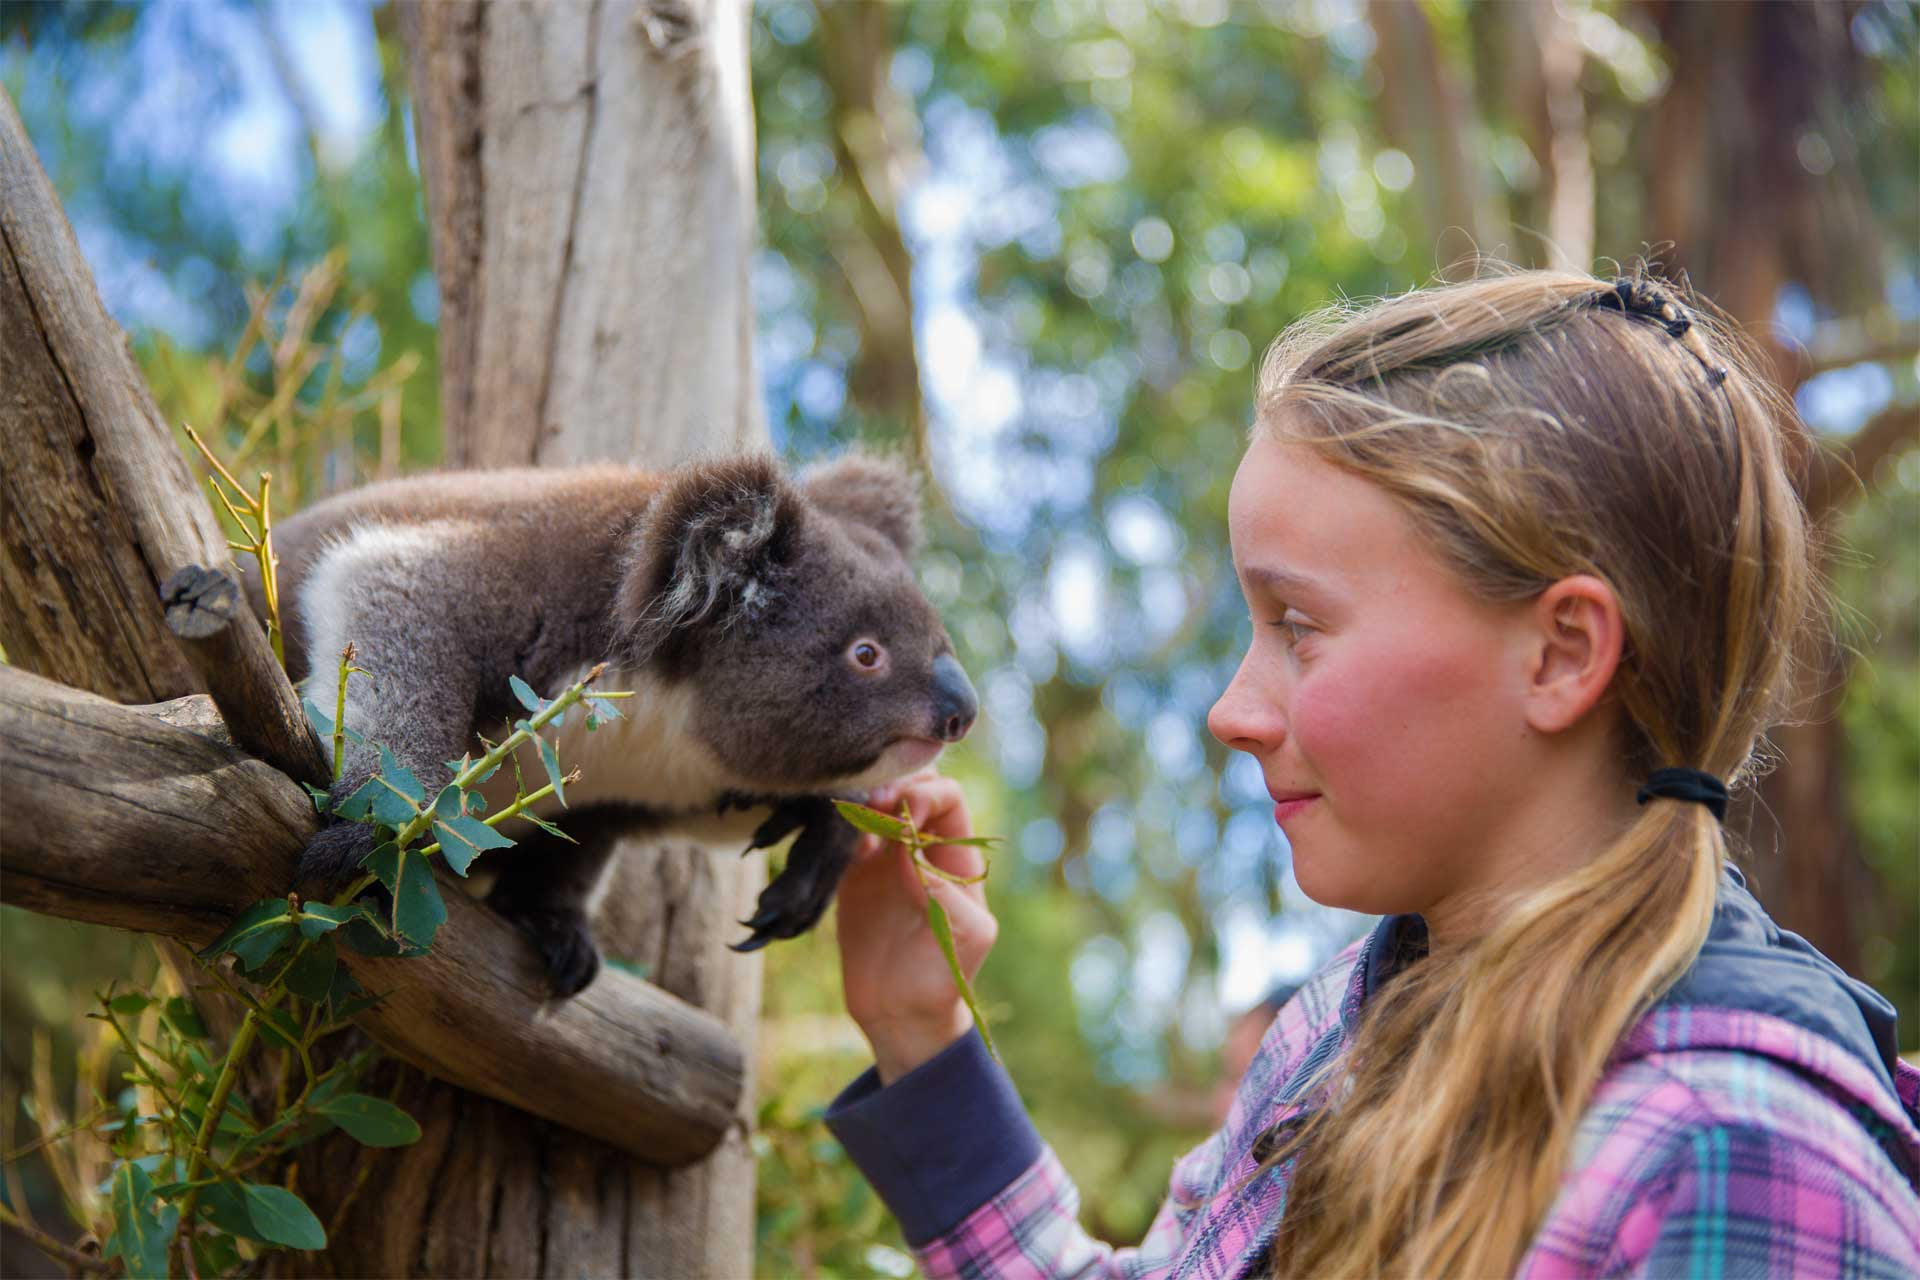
(866, 655)
(1293, 630)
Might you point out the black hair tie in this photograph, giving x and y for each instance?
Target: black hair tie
(1694, 785)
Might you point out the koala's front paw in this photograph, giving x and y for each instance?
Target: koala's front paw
(799, 895)
(564, 941)
(334, 853)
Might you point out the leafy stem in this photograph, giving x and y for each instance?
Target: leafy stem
(903, 830)
(259, 533)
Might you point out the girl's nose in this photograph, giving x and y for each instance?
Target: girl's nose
(1244, 718)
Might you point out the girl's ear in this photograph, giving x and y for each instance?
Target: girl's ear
(1578, 636)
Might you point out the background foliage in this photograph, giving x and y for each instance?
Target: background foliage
(1041, 247)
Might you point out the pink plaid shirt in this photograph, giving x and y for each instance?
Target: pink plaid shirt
(1721, 1141)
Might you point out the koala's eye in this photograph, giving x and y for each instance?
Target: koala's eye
(867, 656)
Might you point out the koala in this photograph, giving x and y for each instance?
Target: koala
(770, 629)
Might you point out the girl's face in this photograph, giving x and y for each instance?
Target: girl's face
(1384, 704)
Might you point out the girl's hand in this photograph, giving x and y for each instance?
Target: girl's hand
(897, 983)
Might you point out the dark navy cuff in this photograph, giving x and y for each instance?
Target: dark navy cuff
(940, 1141)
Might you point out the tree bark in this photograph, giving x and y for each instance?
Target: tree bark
(589, 182)
(99, 507)
(146, 818)
(1426, 113)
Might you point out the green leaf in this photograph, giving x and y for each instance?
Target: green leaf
(599, 711)
(521, 690)
(184, 1018)
(551, 759)
(400, 779)
(222, 1204)
(128, 1005)
(391, 805)
(341, 990)
(546, 826)
(447, 803)
(255, 934)
(215, 1254)
(418, 911)
(464, 839)
(140, 1234)
(360, 803)
(373, 1121)
(282, 1217)
(318, 795)
(874, 823)
(367, 936)
(322, 722)
(943, 934)
(311, 975)
(317, 918)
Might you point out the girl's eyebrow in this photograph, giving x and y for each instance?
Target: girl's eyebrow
(1283, 583)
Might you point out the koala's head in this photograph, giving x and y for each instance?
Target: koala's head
(790, 609)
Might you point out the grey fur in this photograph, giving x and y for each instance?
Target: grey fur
(727, 592)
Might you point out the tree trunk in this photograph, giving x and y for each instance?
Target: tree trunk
(589, 183)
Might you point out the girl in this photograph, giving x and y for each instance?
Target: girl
(1524, 561)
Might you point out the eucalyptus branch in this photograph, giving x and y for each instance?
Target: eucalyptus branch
(45, 1139)
(131, 1044)
(216, 1105)
(513, 810)
(529, 730)
(347, 671)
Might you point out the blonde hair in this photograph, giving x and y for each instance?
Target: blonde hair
(1537, 425)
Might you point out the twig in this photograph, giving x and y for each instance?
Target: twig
(54, 1249)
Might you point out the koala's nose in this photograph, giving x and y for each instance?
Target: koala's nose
(954, 702)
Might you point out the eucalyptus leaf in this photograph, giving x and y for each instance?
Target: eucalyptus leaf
(551, 759)
(373, 1121)
(322, 722)
(524, 692)
(392, 806)
(184, 1018)
(129, 1004)
(464, 839)
(310, 976)
(141, 1231)
(943, 934)
(317, 918)
(367, 936)
(547, 827)
(418, 911)
(399, 778)
(447, 803)
(222, 1204)
(265, 915)
(360, 803)
(281, 1217)
(874, 823)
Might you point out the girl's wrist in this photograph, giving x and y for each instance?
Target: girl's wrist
(901, 1045)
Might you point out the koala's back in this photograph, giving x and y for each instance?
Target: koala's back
(504, 544)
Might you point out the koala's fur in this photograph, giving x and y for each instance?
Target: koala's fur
(729, 597)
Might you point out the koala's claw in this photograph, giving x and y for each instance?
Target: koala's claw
(334, 853)
(788, 907)
(565, 942)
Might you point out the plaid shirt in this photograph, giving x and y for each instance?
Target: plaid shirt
(1720, 1141)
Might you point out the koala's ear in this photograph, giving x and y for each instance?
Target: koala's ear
(877, 492)
(704, 548)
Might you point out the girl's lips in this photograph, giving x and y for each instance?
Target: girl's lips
(1285, 807)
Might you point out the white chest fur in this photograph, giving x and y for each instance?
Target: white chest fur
(649, 757)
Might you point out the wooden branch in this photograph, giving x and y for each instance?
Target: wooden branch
(122, 816)
(100, 506)
(1846, 468)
